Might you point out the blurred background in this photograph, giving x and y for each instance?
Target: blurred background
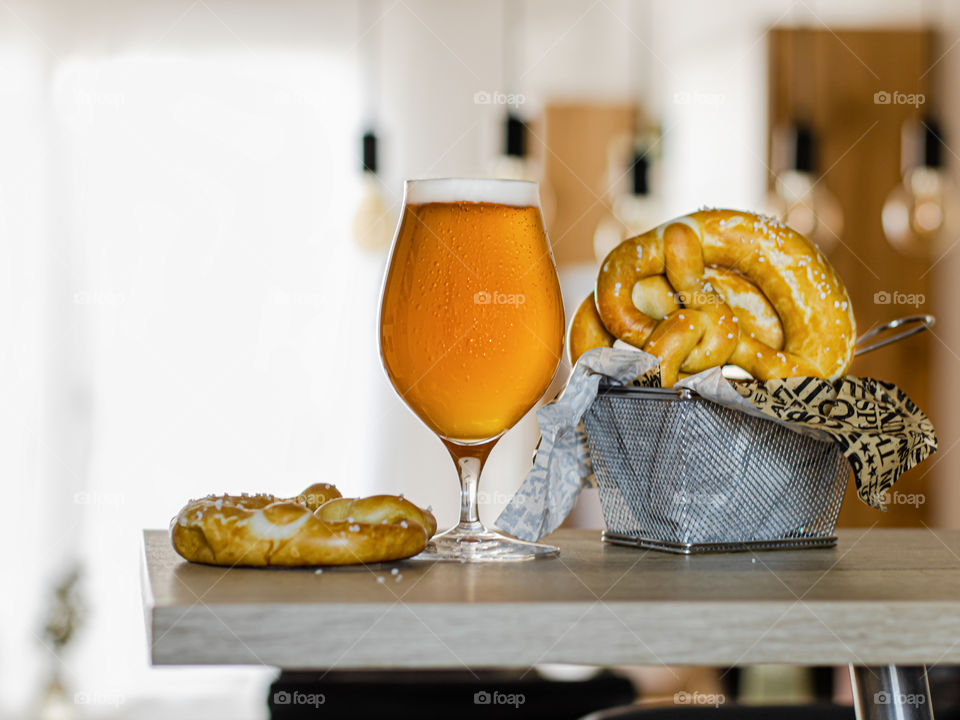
(196, 202)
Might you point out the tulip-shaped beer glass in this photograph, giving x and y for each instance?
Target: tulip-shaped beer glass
(471, 331)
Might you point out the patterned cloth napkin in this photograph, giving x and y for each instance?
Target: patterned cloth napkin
(550, 490)
(880, 431)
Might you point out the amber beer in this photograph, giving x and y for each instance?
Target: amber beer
(471, 322)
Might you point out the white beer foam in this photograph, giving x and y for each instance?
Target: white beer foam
(518, 193)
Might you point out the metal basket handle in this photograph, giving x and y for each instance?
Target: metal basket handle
(919, 323)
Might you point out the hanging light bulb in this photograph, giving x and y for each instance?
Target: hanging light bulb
(800, 199)
(631, 185)
(635, 209)
(918, 216)
(513, 164)
(372, 220)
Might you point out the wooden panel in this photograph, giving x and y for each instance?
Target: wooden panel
(881, 596)
(577, 139)
(829, 80)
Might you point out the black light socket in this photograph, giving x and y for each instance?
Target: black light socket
(516, 137)
(370, 152)
(640, 174)
(804, 149)
(932, 150)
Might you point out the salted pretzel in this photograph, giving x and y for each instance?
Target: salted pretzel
(717, 287)
(317, 527)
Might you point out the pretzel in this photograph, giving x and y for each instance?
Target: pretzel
(318, 527)
(716, 287)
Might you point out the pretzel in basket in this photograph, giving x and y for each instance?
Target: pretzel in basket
(717, 287)
(318, 527)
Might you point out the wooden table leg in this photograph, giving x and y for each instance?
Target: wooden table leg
(891, 692)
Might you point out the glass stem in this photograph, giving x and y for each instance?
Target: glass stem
(470, 469)
(470, 460)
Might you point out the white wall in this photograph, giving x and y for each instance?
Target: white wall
(187, 172)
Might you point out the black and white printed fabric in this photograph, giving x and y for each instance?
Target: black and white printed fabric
(880, 430)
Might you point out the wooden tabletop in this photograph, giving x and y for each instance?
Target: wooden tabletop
(880, 596)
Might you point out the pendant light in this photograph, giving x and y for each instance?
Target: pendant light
(512, 163)
(799, 197)
(632, 207)
(372, 220)
(919, 216)
(635, 206)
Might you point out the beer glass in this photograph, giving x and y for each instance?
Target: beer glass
(471, 331)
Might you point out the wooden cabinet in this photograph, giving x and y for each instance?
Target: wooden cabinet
(828, 80)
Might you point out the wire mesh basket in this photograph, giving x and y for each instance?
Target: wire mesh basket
(679, 473)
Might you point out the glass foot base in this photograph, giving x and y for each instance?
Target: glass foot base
(474, 543)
